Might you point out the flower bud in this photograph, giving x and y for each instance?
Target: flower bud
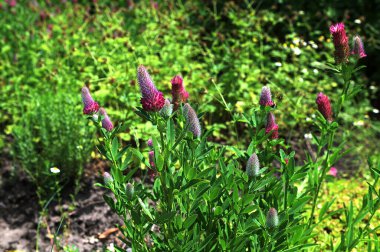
(253, 166)
(179, 93)
(108, 180)
(152, 99)
(150, 142)
(333, 171)
(90, 106)
(106, 122)
(358, 48)
(167, 109)
(129, 190)
(272, 218)
(271, 126)
(342, 49)
(192, 120)
(266, 97)
(324, 106)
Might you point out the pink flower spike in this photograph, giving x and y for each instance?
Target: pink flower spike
(333, 171)
(151, 159)
(324, 106)
(90, 106)
(358, 48)
(192, 120)
(106, 122)
(342, 49)
(266, 97)
(271, 127)
(179, 94)
(152, 99)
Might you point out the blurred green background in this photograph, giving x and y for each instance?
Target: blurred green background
(50, 49)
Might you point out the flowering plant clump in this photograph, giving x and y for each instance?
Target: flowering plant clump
(204, 196)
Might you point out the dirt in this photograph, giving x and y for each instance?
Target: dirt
(87, 220)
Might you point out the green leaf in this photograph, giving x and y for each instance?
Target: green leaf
(190, 221)
(300, 247)
(207, 240)
(109, 201)
(192, 183)
(299, 204)
(115, 147)
(145, 209)
(170, 132)
(164, 217)
(324, 209)
(218, 210)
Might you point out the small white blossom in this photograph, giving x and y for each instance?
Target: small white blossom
(297, 51)
(308, 136)
(278, 64)
(296, 41)
(357, 21)
(376, 111)
(314, 45)
(55, 170)
(359, 123)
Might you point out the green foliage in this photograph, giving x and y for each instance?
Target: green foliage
(51, 134)
(201, 199)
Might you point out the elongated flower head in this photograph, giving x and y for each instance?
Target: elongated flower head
(179, 94)
(106, 122)
(324, 106)
(129, 190)
(151, 159)
(271, 126)
(266, 97)
(192, 120)
(358, 48)
(167, 109)
(152, 99)
(342, 49)
(108, 180)
(272, 218)
(253, 166)
(90, 106)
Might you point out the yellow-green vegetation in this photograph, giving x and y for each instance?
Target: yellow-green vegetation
(343, 191)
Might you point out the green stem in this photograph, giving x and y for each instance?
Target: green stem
(322, 176)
